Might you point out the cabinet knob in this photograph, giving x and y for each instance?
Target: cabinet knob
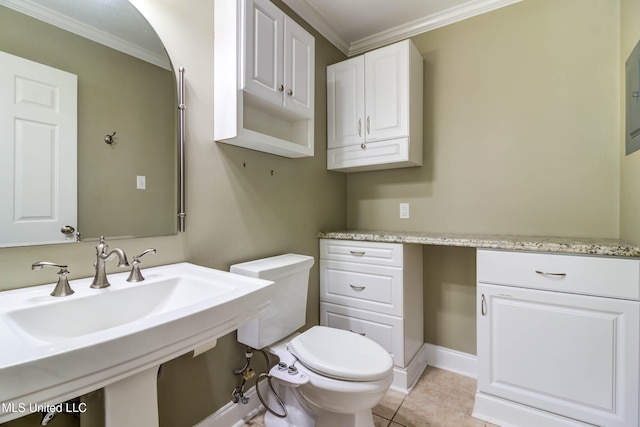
(290, 92)
(281, 88)
(363, 146)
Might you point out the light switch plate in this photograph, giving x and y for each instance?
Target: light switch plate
(404, 210)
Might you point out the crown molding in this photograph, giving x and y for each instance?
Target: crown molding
(84, 30)
(410, 29)
(318, 22)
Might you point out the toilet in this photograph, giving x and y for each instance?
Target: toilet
(326, 377)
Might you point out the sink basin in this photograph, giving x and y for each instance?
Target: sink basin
(116, 306)
(55, 349)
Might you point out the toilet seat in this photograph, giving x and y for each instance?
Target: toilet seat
(341, 355)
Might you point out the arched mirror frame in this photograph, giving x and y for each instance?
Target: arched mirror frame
(117, 156)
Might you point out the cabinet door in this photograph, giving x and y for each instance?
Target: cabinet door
(345, 103)
(387, 92)
(571, 355)
(299, 69)
(263, 74)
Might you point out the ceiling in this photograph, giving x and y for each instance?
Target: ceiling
(355, 26)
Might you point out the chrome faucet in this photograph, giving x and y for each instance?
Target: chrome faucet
(102, 256)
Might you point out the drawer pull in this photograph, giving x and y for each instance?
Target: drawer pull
(554, 275)
(357, 253)
(357, 288)
(359, 333)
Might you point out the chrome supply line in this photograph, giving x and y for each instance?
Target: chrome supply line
(181, 160)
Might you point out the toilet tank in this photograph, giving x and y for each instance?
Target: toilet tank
(287, 312)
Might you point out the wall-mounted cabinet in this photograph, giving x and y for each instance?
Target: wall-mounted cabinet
(264, 79)
(374, 110)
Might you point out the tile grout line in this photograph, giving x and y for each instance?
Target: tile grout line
(398, 410)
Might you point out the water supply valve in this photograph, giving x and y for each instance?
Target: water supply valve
(248, 374)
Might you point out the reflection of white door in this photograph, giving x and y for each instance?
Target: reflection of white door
(38, 138)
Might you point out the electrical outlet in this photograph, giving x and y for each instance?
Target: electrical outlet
(404, 210)
(141, 182)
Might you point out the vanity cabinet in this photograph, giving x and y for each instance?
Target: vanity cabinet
(374, 110)
(375, 289)
(558, 339)
(264, 79)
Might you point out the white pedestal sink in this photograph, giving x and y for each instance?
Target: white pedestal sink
(55, 349)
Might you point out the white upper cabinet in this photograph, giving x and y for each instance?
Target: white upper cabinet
(264, 79)
(299, 72)
(345, 103)
(374, 110)
(387, 92)
(264, 66)
(280, 58)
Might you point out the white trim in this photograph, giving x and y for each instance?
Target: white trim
(404, 380)
(84, 30)
(511, 414)
(318, 22)
(401, 32)
(236, 414)
(451, 360)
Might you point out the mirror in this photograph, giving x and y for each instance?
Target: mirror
(126, 90)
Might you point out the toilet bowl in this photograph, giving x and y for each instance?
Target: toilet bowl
(327, 377)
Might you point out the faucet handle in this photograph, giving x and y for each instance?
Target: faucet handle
(136, 275)
(62, 288)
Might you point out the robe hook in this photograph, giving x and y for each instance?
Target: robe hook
(109, 138)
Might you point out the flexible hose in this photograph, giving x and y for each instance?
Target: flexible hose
(273, 390)
(280, 402)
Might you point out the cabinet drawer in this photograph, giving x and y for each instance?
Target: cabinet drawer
(383, 329)
(363, 286)
(374, 155)
(589, 275)
(384, 254)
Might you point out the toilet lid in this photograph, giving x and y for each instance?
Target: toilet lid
(341, 354)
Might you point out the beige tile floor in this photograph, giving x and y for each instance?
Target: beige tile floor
(440, 399)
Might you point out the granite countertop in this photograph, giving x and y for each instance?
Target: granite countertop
(569, 245)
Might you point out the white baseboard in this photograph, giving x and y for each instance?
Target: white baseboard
(404, 380)
(236, 414)
(511, 414)
(451, 360)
